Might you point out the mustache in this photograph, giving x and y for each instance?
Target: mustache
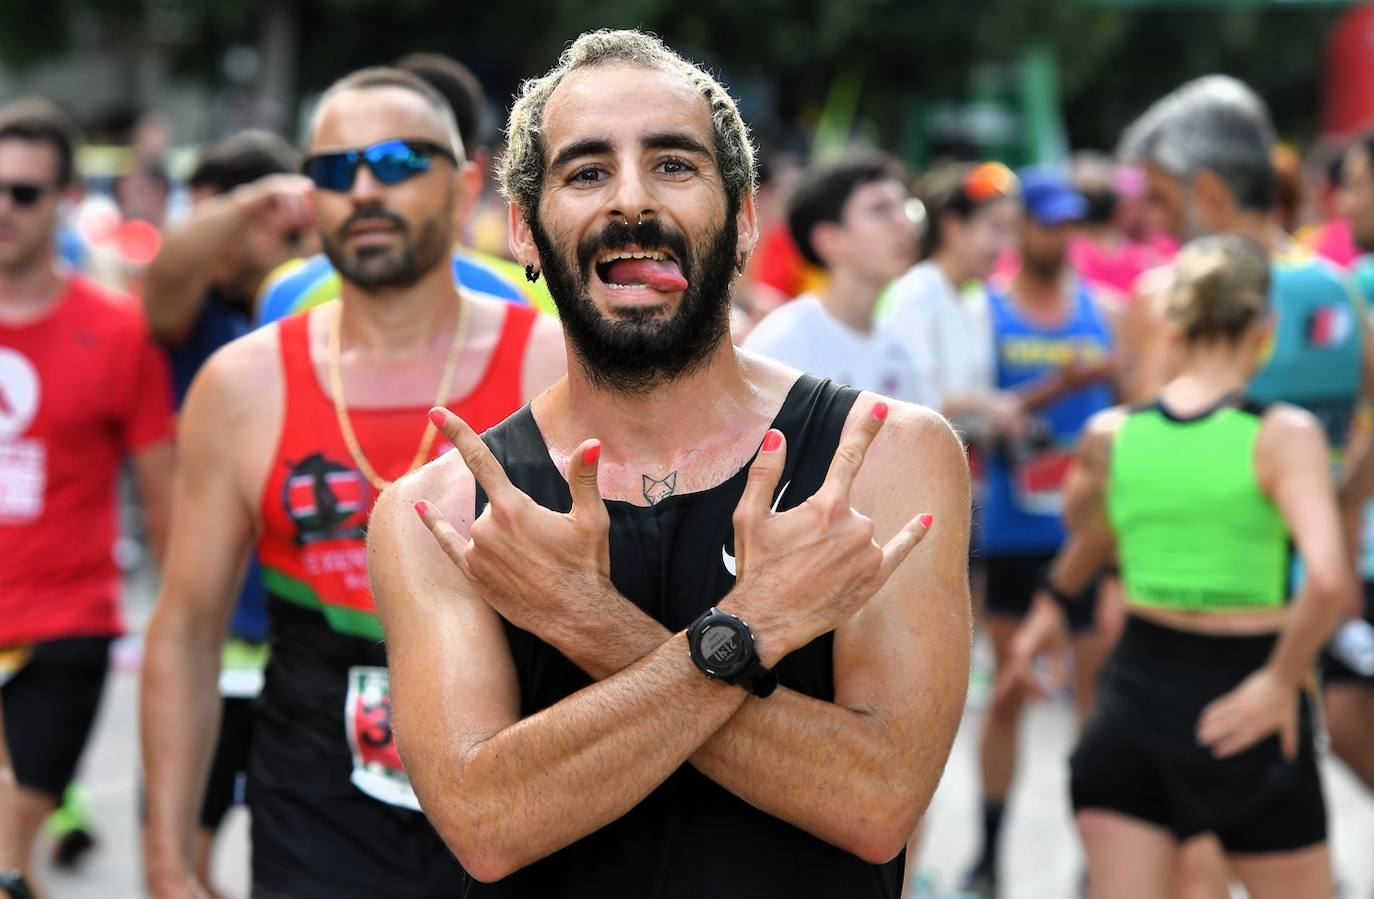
(372, 215)
(649, 235)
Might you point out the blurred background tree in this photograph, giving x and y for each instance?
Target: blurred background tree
(913, 75)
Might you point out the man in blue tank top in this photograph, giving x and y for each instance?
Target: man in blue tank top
(582, 708)
(1052, 347)
(1207, 149)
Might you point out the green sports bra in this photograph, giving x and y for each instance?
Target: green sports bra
(1193, 529)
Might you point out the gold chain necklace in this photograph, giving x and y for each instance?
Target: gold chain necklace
(341, 407)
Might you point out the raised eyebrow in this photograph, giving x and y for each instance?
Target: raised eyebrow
(591, 146)
(676, 140)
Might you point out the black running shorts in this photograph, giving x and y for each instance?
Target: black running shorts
(1139, 756)
(223, 789)
(50, 705)
(1011, 583)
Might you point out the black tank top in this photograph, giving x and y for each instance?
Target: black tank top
(689, 838)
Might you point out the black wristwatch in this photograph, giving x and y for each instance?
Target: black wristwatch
(722, 647)
(12, 884)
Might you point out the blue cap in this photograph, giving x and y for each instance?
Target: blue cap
(1049, 197)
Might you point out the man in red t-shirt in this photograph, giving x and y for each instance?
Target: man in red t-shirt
(81, 388)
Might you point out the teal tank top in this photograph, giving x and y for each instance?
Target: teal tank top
(1316, 358)
(1193, 529)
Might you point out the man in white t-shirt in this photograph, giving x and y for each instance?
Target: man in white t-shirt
(937, 311)
(851, 219)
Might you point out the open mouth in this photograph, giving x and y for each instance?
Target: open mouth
(633, 268)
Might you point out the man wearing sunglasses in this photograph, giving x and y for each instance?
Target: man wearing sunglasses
(82, 390)
(579, 717)
(310, 282)
(288, 434)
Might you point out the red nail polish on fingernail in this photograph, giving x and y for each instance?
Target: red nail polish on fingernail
(926, 520)
(880, 411)
(591, 454)
(771, 441)
(421, 508)
(437, 417)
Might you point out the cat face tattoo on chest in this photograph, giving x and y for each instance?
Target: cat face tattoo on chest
(657, 490)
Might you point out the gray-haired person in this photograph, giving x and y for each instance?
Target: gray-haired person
(1207, 149)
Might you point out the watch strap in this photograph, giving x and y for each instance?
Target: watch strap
(754, 677)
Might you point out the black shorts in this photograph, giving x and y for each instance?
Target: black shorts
(1011, 583)
(1334, 671)
(50, 706)
(224, 789)
(1139, 756)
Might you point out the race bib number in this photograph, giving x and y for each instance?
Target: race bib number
(1039, 481)
(377, 769)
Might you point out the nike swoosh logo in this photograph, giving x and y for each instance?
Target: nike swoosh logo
(725, 556)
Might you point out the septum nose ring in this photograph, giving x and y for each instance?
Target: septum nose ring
(639, 220)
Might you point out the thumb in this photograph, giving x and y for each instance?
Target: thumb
(582, 481)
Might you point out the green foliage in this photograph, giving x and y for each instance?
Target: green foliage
(1113, 59)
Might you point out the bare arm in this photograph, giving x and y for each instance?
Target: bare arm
(153, 468)
(882, 744)
(566, 786)
(1089, 546)
(879, 743)
(1291, 462)
(504, 791)
(180, 703)
(180, 274)
(1090, 542)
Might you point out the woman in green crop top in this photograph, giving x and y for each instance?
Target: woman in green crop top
(1201, 725)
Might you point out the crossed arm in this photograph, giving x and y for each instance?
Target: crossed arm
(530, 786)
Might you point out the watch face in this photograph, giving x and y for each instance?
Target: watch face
(722, 647)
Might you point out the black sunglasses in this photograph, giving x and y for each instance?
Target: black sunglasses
(23, 194)
(391, 162)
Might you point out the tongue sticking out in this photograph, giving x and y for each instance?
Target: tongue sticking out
(663, 276)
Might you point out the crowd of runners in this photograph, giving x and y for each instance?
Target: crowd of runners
(639, 551)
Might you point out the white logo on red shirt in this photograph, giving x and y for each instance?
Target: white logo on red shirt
(19, 393)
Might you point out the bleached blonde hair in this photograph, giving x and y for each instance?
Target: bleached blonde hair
(1220, 289)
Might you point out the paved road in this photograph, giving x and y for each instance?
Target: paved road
(1042, 858)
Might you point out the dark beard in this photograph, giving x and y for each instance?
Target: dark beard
(1046, 270)
(378, 268)
(640, 349)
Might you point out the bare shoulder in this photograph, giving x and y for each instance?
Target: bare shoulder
(240, 370)
(916, 461)
(1104, 424)
(1095, 446)
(1285, 427)
(445, 483)
(240, 387)
(914, 438)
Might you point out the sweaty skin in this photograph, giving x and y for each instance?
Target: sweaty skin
(505, 791)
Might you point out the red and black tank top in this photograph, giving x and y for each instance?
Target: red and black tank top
(316, 503)
(333, 812)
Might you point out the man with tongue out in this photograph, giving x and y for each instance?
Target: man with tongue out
(689, 624)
